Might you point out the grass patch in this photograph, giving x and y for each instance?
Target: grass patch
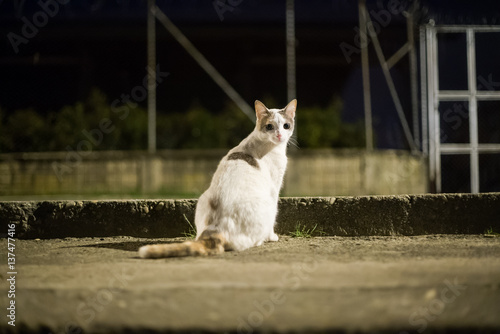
(490, 233)
(304, 232)
(191, 232)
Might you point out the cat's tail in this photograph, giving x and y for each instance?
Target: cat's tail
(209, 243)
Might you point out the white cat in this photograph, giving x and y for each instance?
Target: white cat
(238, 210)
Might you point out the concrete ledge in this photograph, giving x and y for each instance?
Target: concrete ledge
(341, 216)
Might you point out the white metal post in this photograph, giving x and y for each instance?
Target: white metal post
(412, 57)
(151, 77)
(432, 109)
(473, 132)
(423, 91)
(290, 50)
(365, 70)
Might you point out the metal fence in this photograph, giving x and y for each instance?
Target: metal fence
(462, 113)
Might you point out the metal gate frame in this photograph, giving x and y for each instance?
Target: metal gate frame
(367, 29)
(432, 96)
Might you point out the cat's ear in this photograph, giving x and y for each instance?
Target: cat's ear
(290, 108)
(260, 109)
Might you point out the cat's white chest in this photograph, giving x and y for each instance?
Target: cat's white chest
(275, 163)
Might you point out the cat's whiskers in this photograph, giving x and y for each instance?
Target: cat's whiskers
(293, 142)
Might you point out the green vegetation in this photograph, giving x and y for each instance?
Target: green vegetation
(191, 233)
(304, 232)
(100, 124)
(490, 233)
(323, 127)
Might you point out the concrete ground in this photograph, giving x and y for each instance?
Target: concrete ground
(418, 284)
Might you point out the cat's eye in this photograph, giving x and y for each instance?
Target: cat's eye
(269, 127)
(286, 126)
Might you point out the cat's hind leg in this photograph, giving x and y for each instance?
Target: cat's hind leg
(273, 237)
(202, 214)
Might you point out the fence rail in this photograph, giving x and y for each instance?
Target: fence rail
(188, 172)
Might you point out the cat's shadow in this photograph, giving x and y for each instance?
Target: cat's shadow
(129, 246)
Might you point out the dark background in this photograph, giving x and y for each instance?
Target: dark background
(102, 44)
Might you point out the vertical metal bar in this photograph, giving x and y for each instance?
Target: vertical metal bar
(423, 91)
(365, 70)
(290, 50)
(151, 77)
(413, 77)
(432, 107)
(437, 136)
(435, 109)
(290, 58)
(473, 131)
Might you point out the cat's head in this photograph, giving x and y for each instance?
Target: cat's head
(275, 125)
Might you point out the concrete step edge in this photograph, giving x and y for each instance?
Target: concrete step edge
(341, 216)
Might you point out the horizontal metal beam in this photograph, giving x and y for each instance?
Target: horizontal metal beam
(467, 148)
(452, 95)
(464, 28)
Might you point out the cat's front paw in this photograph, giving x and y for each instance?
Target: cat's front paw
(273, 237)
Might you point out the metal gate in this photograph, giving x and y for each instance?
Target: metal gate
(461, 107)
